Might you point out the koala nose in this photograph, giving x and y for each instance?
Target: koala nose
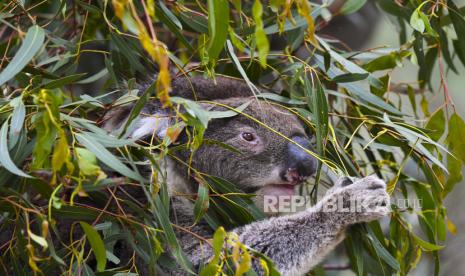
(300, 164)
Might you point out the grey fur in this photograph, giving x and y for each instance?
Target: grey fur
(295, 242)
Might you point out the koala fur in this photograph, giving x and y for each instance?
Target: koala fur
(269, 164)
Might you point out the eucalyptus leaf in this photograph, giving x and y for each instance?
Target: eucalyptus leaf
(32, 43)
(96, 242)
(107, 157)
(5, 159)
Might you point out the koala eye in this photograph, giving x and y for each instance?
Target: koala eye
(249, 137)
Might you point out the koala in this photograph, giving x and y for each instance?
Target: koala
(264, 164)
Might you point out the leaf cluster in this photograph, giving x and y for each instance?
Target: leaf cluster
(60, 59)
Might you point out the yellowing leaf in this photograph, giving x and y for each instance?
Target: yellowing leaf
(266, 270)
(451, 227)
(46, 123)
(31, 259)
(38, 239)
(45, 228)
(151, 8)
(305, 10)
(245, 262)
(240, 255)
(426, 246)
(61, 154)
(118, 6)
(87, 162)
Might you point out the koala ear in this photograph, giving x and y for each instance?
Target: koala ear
(151, 121)
(154, 124)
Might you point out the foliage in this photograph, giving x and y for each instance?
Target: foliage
(57, 164)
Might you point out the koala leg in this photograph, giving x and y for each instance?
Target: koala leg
(298, 242)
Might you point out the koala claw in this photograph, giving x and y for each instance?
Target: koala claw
(362, 200)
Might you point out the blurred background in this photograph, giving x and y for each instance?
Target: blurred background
(453, 256)
(369, 29)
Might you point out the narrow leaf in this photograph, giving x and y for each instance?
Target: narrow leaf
(31, 45)
(260, 36)
(107, 157)
(218, 23)
(97, 245)
(5, 159)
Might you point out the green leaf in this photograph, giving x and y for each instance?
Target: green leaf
(260, 36)
(319, 106)
(454, 166)
(165, 223)
(46, 123)
(456, 135)
(385, 62)
(102, 73)
(5, 159)
(107, 157)
(237, 63)
(61, 153)
(350, 77)
(297, 23)
(243, 210)
(87, 162)
(354, 250)
(194, 110)
(97, 245)
(382, 252)
(31, 45)
(417, 22)
(436, 124)
(173, 23)
(218, 241)
(218, 24)
(63, 81)
(194, 21)
(281, 99)
(418, 134)
(415, 140)
(348, 65)
(228, 113)
(351, 6)
(17, 119)
(426, 246)
(202, 203)
(428, 27)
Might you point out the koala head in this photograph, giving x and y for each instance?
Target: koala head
(271, 151)
(271, 156)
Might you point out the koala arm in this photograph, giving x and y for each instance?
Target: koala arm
(299, 241)
(296, 242)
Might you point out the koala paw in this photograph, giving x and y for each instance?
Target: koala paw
(358, 200)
